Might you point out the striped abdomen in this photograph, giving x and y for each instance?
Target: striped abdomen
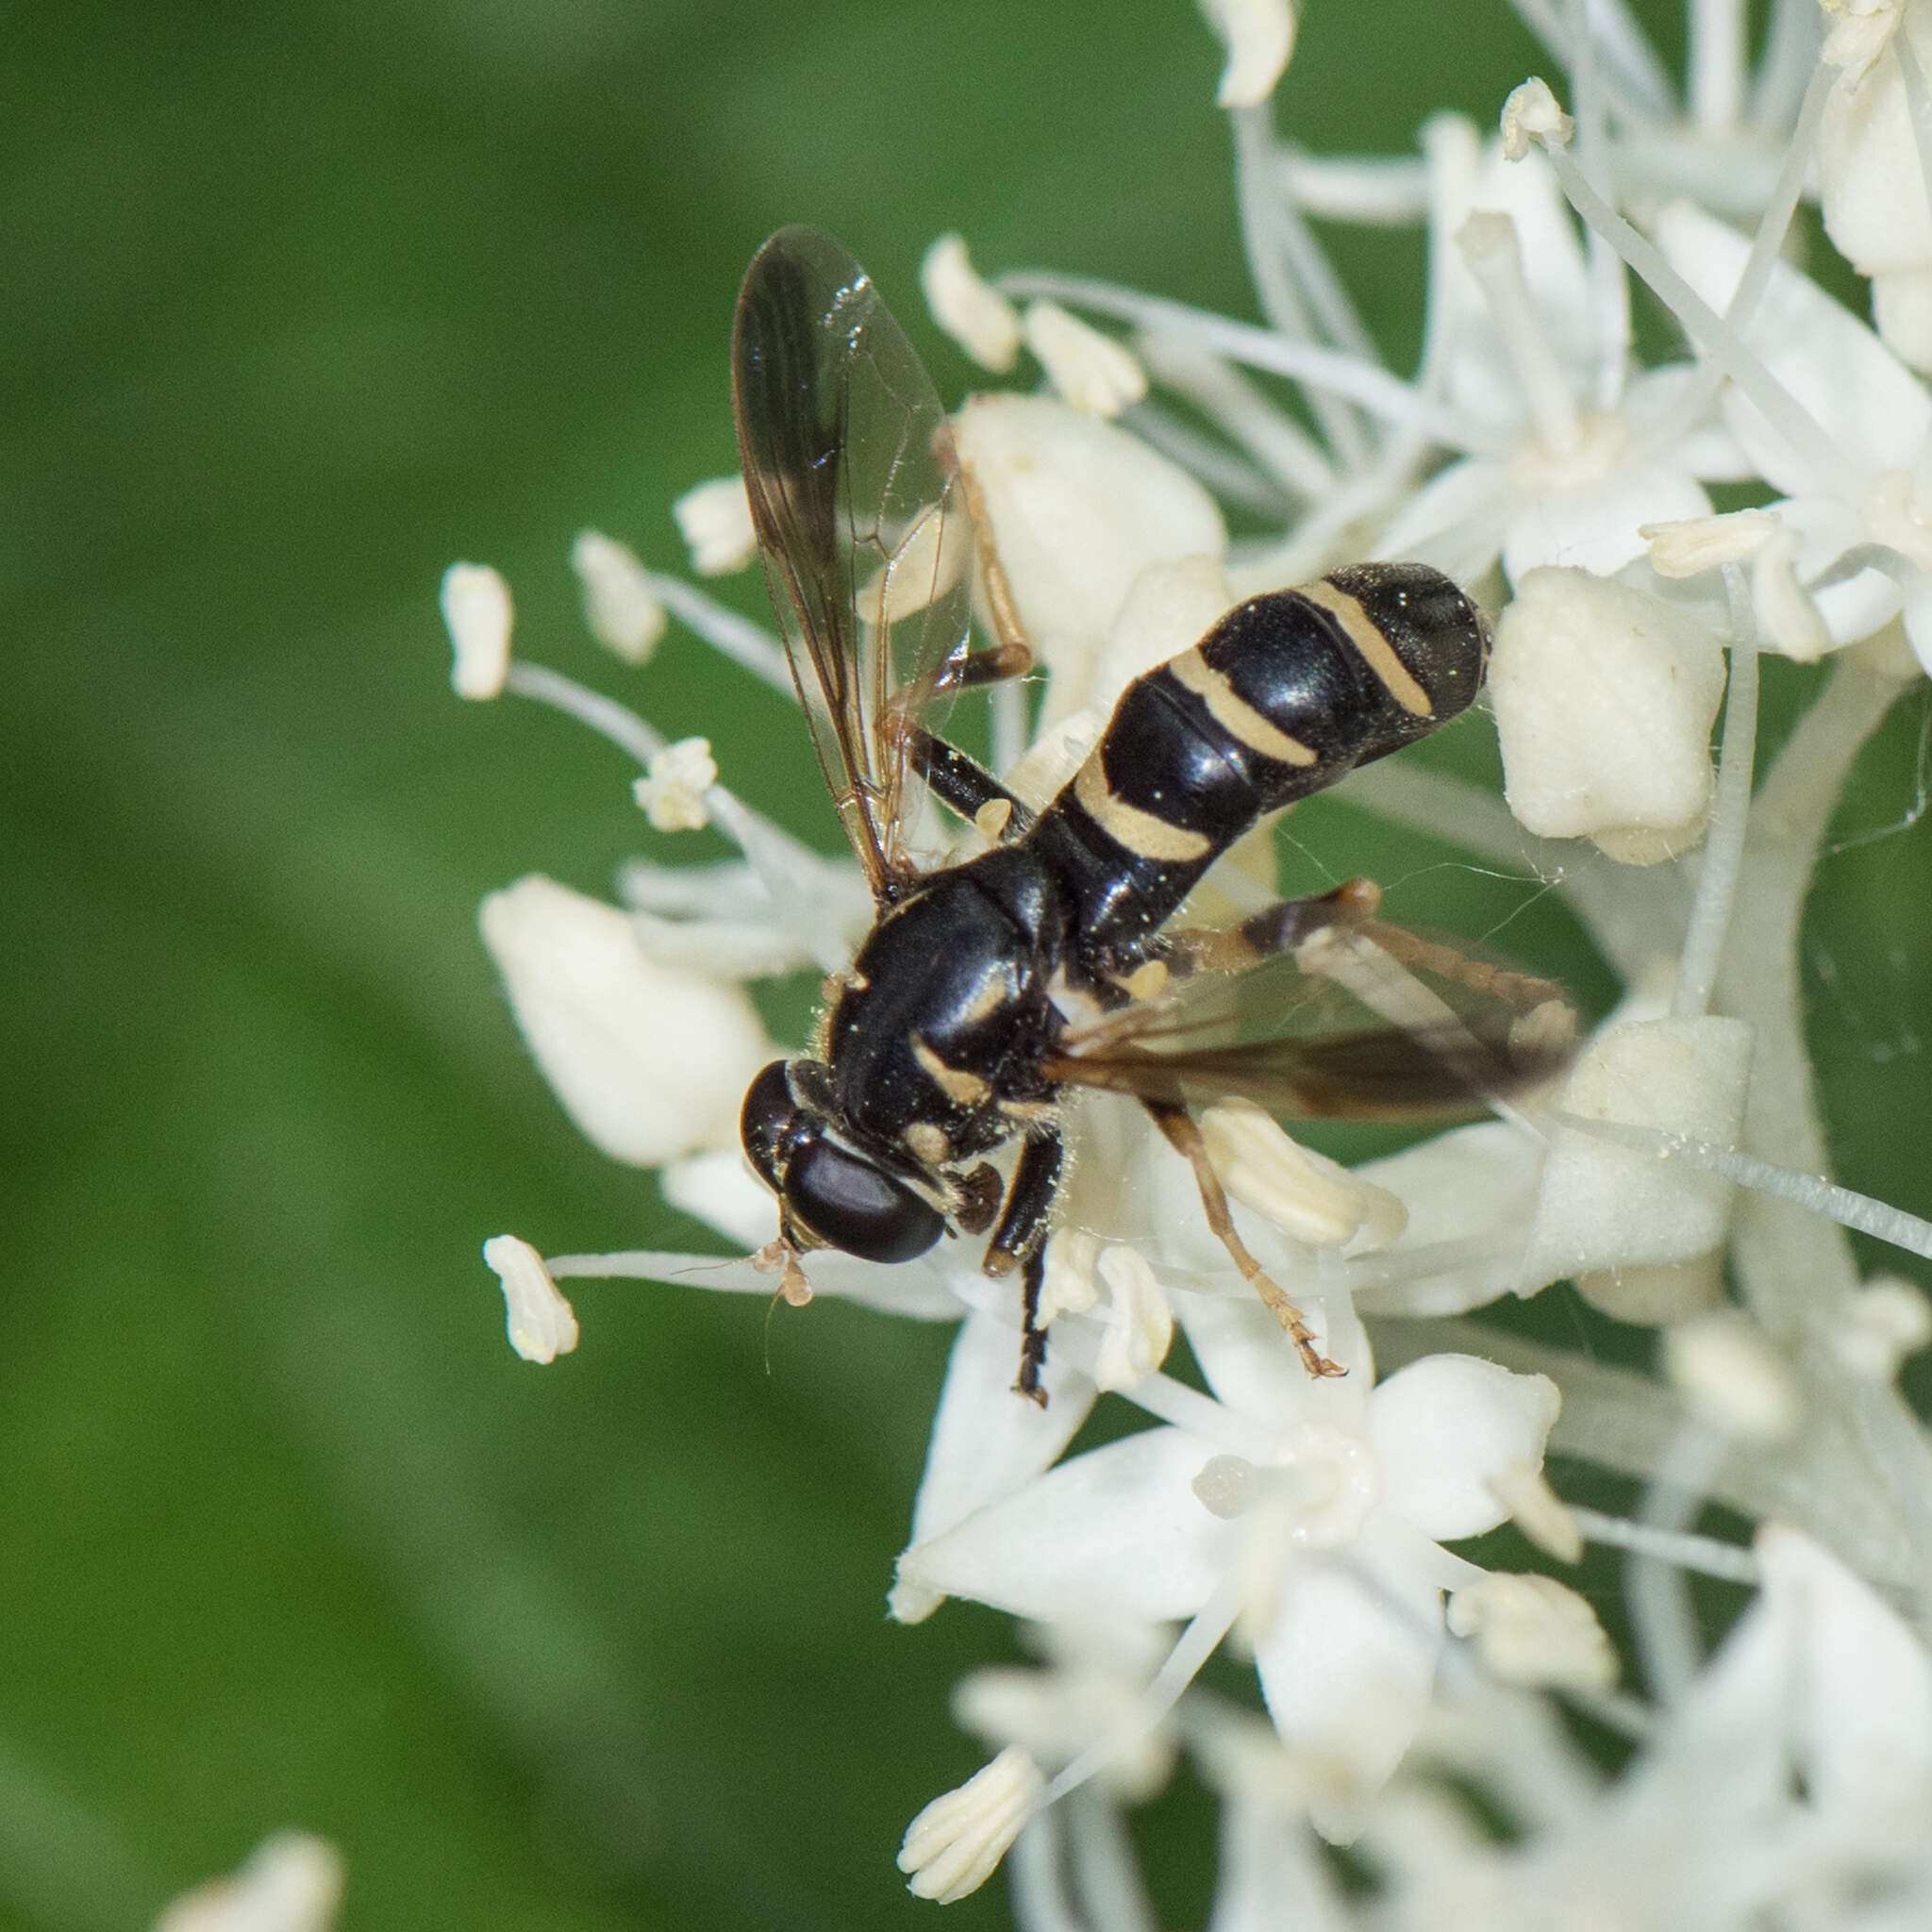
(1287, 694)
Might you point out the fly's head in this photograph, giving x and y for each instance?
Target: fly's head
(832, 1192)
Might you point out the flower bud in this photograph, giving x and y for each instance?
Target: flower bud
(1604, 701)
(1605, 1206)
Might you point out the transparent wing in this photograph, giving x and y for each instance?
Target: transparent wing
(861, 520)
(1368, 1020)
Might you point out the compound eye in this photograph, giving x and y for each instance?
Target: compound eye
(765, 1121)
(856, 1207)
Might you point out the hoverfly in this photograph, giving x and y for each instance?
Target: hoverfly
(988, 986)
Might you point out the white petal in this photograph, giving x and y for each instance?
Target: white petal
(1871, 178)
(542, 1325)
(649, 1062)
(1252, 1366)
(1443, 1426)
(476, 613)
(988, 1442)
(1118, 1532)
(1604, 700)
(1596, 527)
(1079, 508)
(1169, 608)
(1860, 1696)
(719, 1188)
(1475, 1188)
(1346, 1672)
(1455, 521)
(1857, 390)
(1605, 1206)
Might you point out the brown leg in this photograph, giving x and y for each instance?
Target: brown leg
(1015, 650)
(1032, 1336)
(1185, 1138)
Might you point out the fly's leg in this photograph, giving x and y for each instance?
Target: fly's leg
(1185, 1138)
(963, 784)
(1279, 928)
(1020, 1239)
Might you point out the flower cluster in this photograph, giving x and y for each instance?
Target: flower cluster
(1675, 1176)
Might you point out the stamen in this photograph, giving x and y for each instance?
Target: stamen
(1091, 371)
(1717, 64)
(745, 644)
(1490, 246)
(1261, 209)
(1259, 36)
(1238, 405)
(1534, 1631)
(1721, 343)
(542, 1325)
(955, 1844)
(616, 723)
(1724, 844)
(672, 795)
(1708, 1556)
(1259, 348)
(1371, 191)
(1849, 1209)
(969, 309)
(1195, 1645)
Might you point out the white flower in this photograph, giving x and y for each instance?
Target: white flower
(672, 794)
(1310, 1511)
(1847, 433)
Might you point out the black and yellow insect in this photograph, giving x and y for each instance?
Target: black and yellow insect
(990, 985)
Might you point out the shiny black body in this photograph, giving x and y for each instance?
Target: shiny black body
(937, 1041)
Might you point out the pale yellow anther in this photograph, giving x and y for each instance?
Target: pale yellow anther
(1534, 1631)
(1531, 114)
(1071, 1284)
(955, 1844)
(1140, 1323)
(1537, 1511)
(714, 520)
(1260, 38)
(476, 612)
(1730, 1377)
(969, 309)
(541, 1324)
(1091, 371)
(1693, 545)
(672, 796)
(619, 607)
(1886, 1321)
(1857, 32)
(1305, 1193)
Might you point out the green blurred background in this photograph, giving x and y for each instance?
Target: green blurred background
(300, 304)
